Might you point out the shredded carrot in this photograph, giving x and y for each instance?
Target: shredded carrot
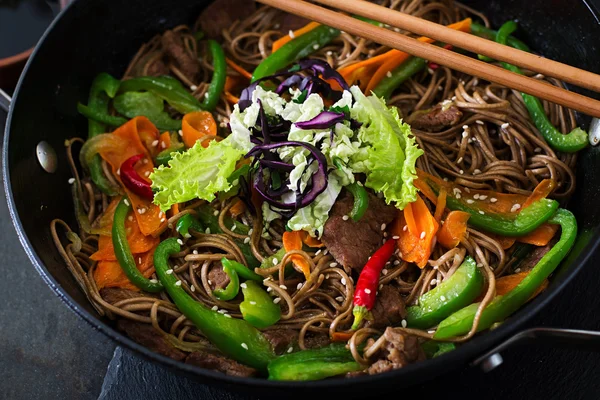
(198, 125)
(164, 140)
(508, 282)
(108, 273)
(541, 191)
(397, 57)
(541, 236)
(298, 32)
(138, 242)
(293, 241)
(231, 99)
(440, 205)
(237, 209)
(238, 68)
(341, 336)
(415, 242)
(312, 241)
(362, 71)
(454, 229)
(147, 214)
(174, 209)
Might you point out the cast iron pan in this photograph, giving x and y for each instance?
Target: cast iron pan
(92, 36)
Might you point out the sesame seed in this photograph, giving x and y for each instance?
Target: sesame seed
(443, 298)
(388, 74)
(345, 218)
(383, 227)
(482, 197)
(493, 199)
(147, 174)
(215, 308)
(207, 231)
(329, 53)
(339, 298)
(518, 270)
(216, 213)
(480, 122)
(515, 207)
(343, 281)
(475, 82)
(399, 254)
(325, 252)
(403, 323)
(359, 183)
(505, 125)
(479, 265)
(316, 46)
(422, 235)
(397, 262)
(404, 228)
(155, 143)
(139, 260)
(192, 288)
(440, 88)
(195, 252)
(275, 261)
(227, 315)
(385, 234)
(539, 76)
(476, 171)
(299, 286)
(154, 280)
(247, 240)
(537, 150)
(461, 172)
(180, 132)
(71, 181)
(333, 264)
(470, 201)
(187, 236)
(222, 311)
(142, 210)
(233, 228)
(291, 34)
(476, 196)
(431, 331)
(178, 283)
(384, 271)
(283, 287)
(396, 237)
(318, 252)
(465, 127)
(368, 291)
(180, 241)
(253, 303)
(269, 289)
(245, 346)
(276, 300)
(458, 196)
(459, 160)
(481, 212)
(209, 282)
(430, 71)
(126, 202)
(130, 218)
(163, 219)
(161, 214)
(433, 282)
(145, 161)
(467, 190)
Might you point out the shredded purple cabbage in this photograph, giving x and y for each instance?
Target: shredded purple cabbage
(323, 68)
(326, 119)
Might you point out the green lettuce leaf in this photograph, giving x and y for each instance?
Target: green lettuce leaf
(199, 173)
(391, 152)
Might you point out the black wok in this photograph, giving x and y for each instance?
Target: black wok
(92, 36)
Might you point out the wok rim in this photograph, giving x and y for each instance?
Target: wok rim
(466, 353)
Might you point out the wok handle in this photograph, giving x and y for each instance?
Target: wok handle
(5, 100)
(555, 337)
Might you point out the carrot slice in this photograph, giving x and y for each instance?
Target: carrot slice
(362, 71)
(508, 282)
(397, 57)
(415, 242)
(541, 236)
(440, 205)
(298, 32)
(237, 209)
(541, 191)
(454, 229)
(293, 241)
(108, 273)
(238, 68)
(312, 241)
(198, 125)
(138, 242)
(341, 336)
(147, 214)
(164, 140)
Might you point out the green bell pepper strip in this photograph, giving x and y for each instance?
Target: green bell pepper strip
(104, 87)
(123, 251)
(165, 156)
(186, 222)
(435, 349)
(211, 221)
(398, 76)
(234, 337)
(294, 50)
(527, 220)
(456, 292)
(314, 364)
(242, 271)
(234, 180)
(270, 261)
(361, 197)
(167, 88)
(233, 287)
(149, 105)
(572, 142)
(258, 307)
(502, 307)
(100, 116)
(217, 83)
(487, 33)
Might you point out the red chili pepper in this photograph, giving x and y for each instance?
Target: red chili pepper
(132, 180)
(366, 287)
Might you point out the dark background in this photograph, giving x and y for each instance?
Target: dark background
(47, 352)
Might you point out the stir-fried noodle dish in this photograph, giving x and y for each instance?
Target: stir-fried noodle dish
(265, 196)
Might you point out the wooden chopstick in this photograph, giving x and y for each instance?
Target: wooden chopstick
(466, 41)
(439, 55)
